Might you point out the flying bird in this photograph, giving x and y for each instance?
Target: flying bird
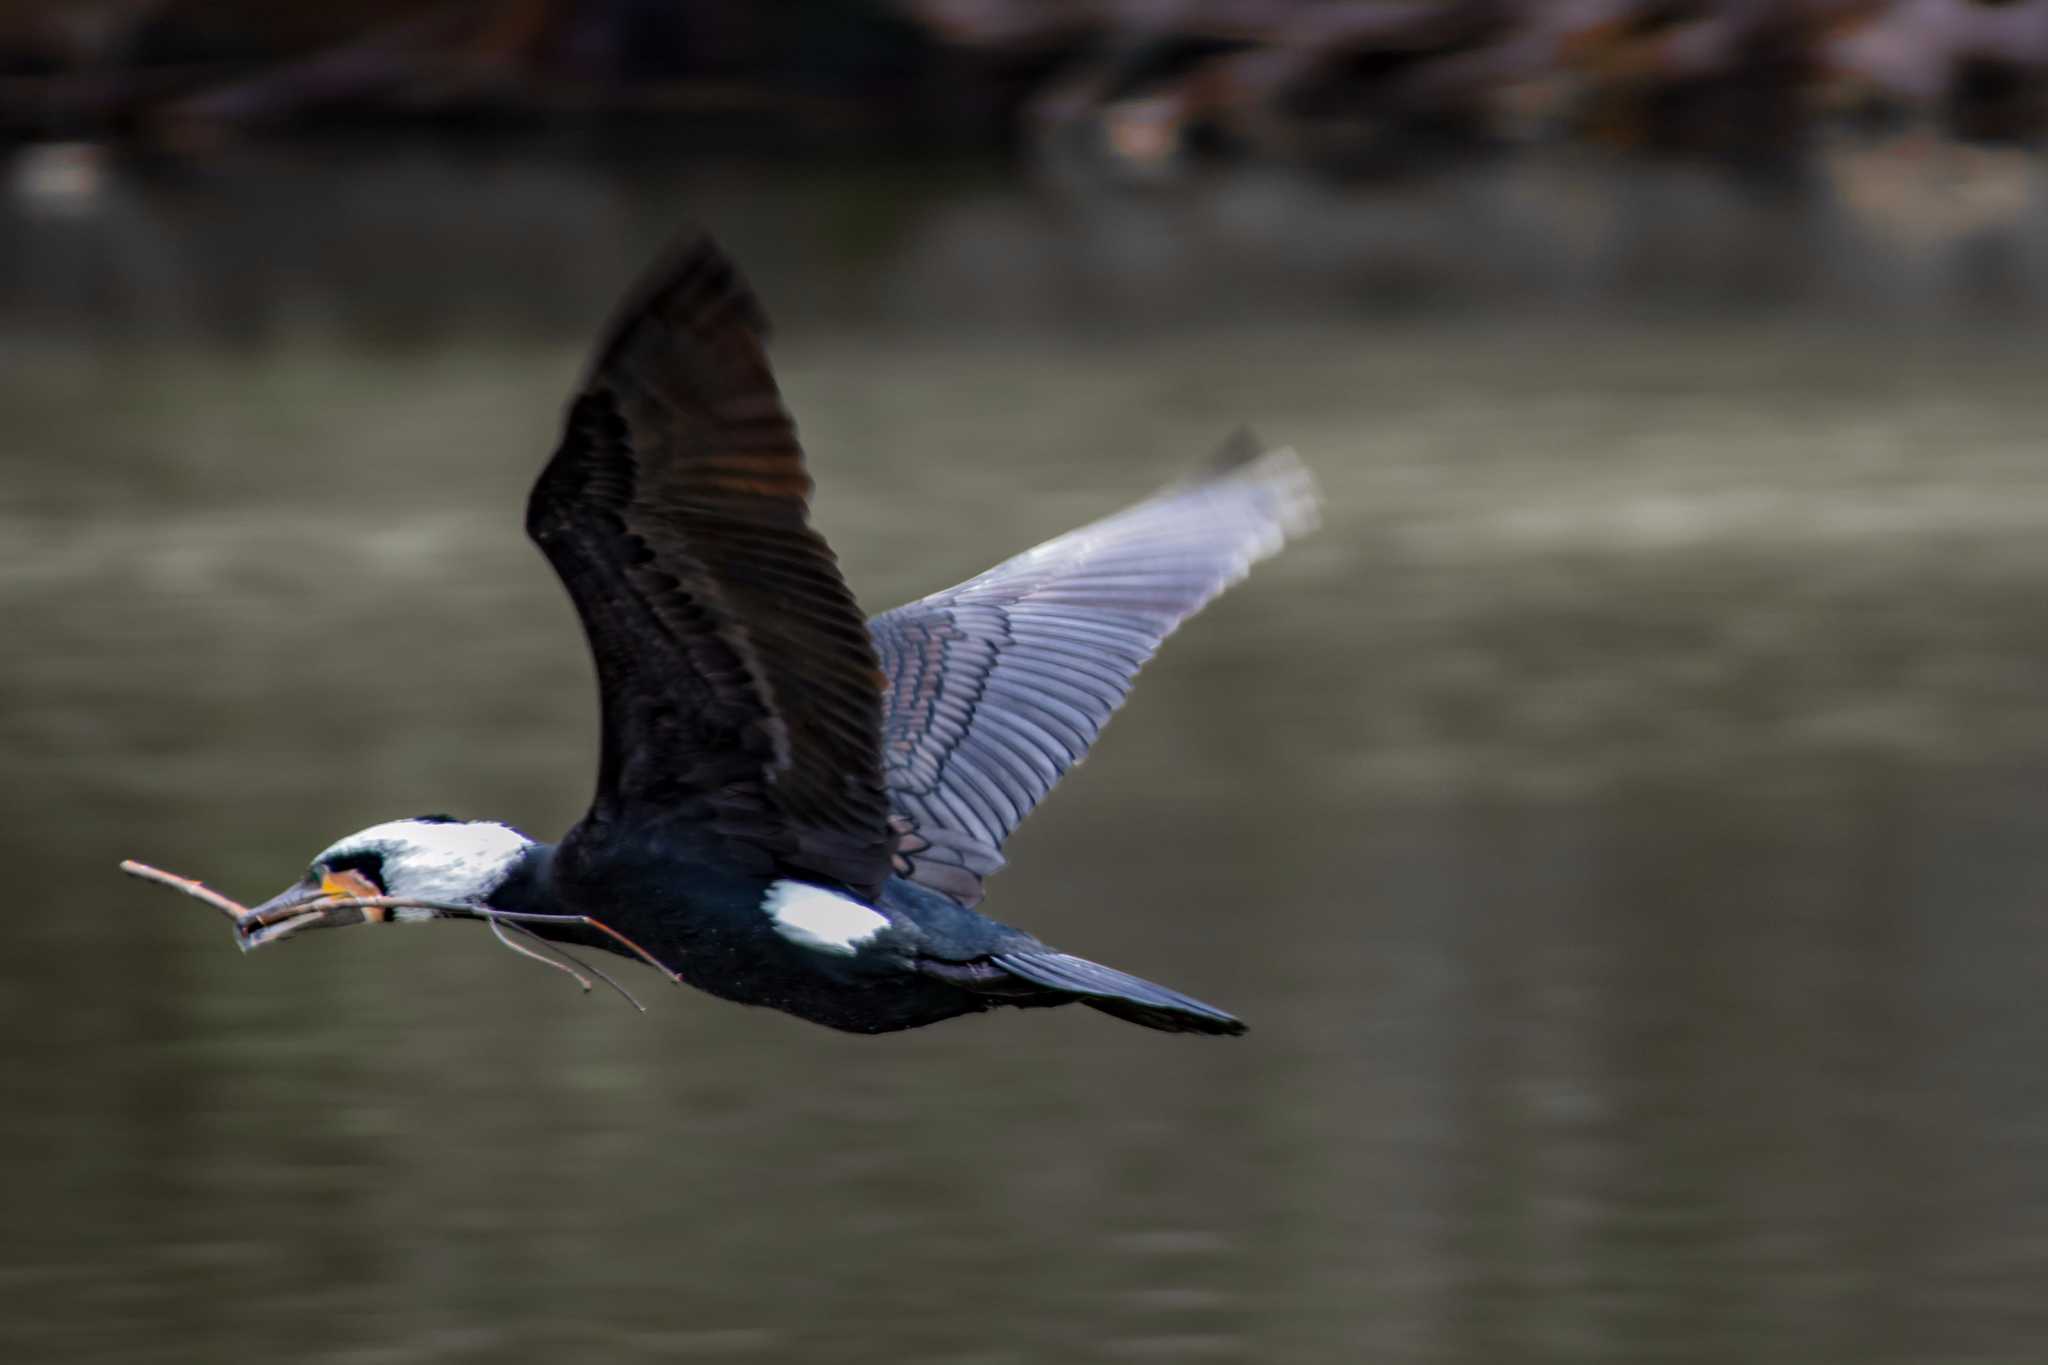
(795, 807)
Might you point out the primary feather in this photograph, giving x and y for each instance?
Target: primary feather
(998, 687)
(742, 702)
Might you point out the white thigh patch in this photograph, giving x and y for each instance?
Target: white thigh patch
(821, 920)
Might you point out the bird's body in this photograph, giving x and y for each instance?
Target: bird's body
(909, 958)
(796, 808)
(855, 970)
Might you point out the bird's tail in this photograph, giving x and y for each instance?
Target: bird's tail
(1119, 993)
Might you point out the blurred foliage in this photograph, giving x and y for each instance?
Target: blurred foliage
(1347, 83)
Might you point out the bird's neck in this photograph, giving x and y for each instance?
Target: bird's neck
(528, 889)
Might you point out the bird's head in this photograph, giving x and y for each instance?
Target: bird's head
(428, 858)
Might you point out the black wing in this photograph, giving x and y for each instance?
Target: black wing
(742, 701)
(998, 687)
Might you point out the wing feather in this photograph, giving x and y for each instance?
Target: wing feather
(741, 694)
(997, 687)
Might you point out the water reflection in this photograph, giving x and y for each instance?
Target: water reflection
(1621, 826)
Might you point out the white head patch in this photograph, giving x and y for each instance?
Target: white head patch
(823, 921)
(437, 860)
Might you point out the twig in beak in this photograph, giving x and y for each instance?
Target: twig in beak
(487, 912)
(309, 912)
(499, 928)
(199, 891)
(252, 939)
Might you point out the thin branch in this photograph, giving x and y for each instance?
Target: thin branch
(243, 916)
(250, 940)
(499, 927)
(490, 912)
(499, 932)
(199, 891)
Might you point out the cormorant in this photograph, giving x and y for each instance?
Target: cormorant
(795, 807)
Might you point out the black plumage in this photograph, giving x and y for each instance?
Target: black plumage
(794, 807)
(741, 698)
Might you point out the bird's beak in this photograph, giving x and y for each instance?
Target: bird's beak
(300, 906)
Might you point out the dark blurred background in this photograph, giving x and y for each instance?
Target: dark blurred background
(1625, 825)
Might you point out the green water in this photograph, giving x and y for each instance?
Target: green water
(1625, 826)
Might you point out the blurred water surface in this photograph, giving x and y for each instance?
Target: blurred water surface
(1625, 826)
